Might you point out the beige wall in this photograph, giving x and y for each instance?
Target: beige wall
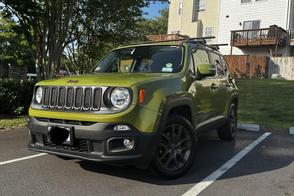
(183, 23)
(283, 66)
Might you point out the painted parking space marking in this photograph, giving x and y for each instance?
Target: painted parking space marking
(199, 187)
(22, 159)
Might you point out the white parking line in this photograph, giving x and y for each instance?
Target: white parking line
(198, 188)
(22, 159)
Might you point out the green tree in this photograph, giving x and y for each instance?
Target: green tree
(87, 25)
(105, 24)
(154, 26)
(13, 45)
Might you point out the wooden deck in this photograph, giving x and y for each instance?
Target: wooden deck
(259, 37)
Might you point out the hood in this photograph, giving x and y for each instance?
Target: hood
(105, 79)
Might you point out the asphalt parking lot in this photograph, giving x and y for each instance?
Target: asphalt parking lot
(266, 169)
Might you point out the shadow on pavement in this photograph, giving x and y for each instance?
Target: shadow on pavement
(210, 155)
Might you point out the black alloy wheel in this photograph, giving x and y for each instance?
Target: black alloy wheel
(176, 148)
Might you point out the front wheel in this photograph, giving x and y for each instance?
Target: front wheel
(175, 152)
(228, 131)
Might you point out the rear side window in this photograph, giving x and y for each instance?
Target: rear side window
(225, 64)
(200, 57)
(216, 60)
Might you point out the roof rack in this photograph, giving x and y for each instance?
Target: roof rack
(215, 46)
(185, 39)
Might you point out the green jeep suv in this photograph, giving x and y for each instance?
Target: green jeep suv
(143, 104)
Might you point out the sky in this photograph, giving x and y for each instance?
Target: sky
(153, 9)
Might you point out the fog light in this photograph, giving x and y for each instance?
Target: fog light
(121, 128)
(129, 143)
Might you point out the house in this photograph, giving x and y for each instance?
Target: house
(259, 27)
(256, 27)
(195, 18)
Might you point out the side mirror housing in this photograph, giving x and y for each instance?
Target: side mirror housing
(206, 70)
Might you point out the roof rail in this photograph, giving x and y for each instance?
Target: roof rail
(200, 39)
(185, 39)
(215, 46)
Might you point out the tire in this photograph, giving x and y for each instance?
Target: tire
(228, 131)
(176, 148)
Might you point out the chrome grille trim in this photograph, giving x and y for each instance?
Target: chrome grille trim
(76, 101)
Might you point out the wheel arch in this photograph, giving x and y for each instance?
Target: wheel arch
(182, 106)
(235, 100)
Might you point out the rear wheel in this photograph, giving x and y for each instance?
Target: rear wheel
(175, 153)
(228, 131)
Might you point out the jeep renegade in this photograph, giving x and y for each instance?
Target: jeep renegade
(143, 104)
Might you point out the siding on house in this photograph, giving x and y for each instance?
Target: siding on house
(270, 12)
(183, 22)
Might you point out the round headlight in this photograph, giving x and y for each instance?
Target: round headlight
(39, 94)
(120, 98)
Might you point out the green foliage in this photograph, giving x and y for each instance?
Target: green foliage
(7, 123)
(85, 28)
(104, 25)
(74, 35)
(14, 49)
(153, 26)
(15, 96)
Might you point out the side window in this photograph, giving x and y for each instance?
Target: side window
(200, 57)
(216, 60)
(225, 65)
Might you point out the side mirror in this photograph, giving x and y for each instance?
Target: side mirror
(206, 70)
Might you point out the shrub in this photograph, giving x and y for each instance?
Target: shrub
(15, 96)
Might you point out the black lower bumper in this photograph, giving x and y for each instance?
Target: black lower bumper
(95, 142)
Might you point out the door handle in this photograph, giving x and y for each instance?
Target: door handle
(214, 86)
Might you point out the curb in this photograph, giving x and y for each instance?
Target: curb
(13, 128)
(249, 127)
(291, 131)
(2, 130)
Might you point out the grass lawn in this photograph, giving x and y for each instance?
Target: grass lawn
(269, 103)
(12, 122)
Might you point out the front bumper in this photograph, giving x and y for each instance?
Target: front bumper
(91, 141)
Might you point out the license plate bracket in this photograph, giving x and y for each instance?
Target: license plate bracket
(61, 135)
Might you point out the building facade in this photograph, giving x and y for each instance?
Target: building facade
(195, 18)
(255, 16)
(258, 27)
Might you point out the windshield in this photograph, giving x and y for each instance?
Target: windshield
(144, 59)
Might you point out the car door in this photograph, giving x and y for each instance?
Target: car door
(219, 85)
(202, 94)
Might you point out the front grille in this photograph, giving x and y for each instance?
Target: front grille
(72, 98)
(79, 145)
(67, 122)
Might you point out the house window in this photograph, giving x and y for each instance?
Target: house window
(180, 8)
(208, 33)
(200, 5)
(254, 24)
(245, 1)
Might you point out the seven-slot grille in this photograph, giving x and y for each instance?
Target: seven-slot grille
(72, 98)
